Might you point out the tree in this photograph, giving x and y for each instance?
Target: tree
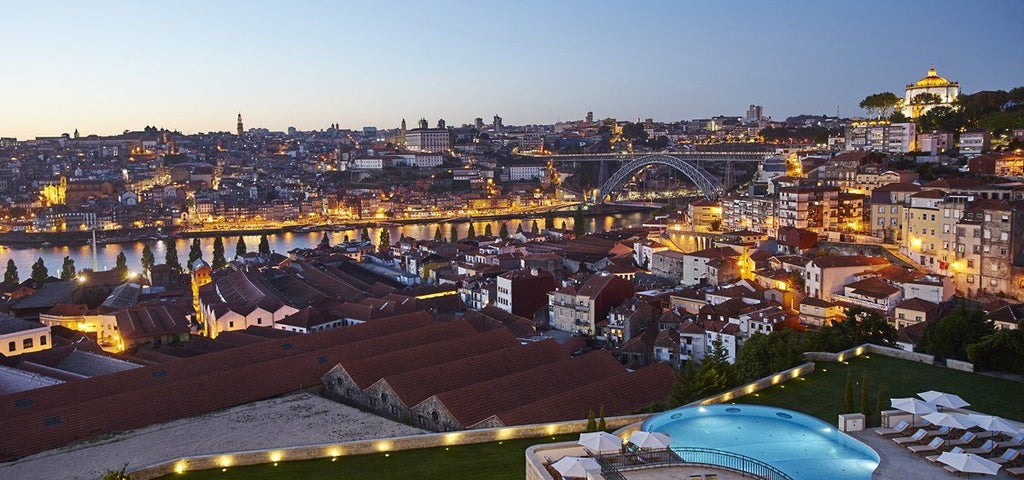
(240, 248)
(503, 231)
(763, 355)
(848, 395)
(1002, 350)
(147, 260)
(950, 336)
(711, 375)
(11, 274)
(195, 252)
(634, 132)
(533, 227)
(121, 267)
(325, 242)
(519, 229)
(879, 404)
(879, 105)
(171, 257)
(117, 474)
(454, 234)
(865, 407)
(549, 223)
(364, 235)
(601, 423)
(385, 240)
(487, 230)
(438, 236)
(940, 118)
(264, 247)
(218, 254)
(39, 271)
(471, 232)
(579, 226)
(591, 421)
(67, 269)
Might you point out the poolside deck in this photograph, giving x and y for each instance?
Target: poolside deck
(899, 462)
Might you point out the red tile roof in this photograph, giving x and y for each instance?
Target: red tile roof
(619, 395)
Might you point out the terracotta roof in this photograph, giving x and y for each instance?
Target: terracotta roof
(917, 305)
(619, 395)
(64, 413)
(474, 403)
(873, 287)
(838, 261)
(148, 322)
(463, 343)
(68, 310)
(414, 386)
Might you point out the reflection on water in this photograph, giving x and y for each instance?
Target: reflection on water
(106, 255)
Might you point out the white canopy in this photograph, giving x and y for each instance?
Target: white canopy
(943, 399)
(969, 463)
(994, 424)
(575, 467)
(600, 442)
(955, 420)
(912, 405)
(644, 439)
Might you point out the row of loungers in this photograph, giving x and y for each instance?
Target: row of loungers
(939, 440)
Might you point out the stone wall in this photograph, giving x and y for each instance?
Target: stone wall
(958, 365)
(254, 457)
(869, 348)
(757, 385)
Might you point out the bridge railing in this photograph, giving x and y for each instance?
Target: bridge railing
(612, 465)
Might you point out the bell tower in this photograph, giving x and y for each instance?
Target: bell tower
(240, 129)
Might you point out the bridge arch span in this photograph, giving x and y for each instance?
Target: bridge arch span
(704, 180)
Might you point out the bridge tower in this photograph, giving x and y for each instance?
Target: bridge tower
(730, 175)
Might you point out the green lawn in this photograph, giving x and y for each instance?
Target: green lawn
(494, 460)
(821, 393)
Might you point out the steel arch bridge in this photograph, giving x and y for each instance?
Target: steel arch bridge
(705, 181)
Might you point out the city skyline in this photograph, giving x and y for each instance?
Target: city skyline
(122, 66)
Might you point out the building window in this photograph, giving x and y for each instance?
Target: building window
(434, 416)
(42, 340)
(11, 346)
(231, 324)
(26, 343)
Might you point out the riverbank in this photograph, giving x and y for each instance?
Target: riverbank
(104, 237)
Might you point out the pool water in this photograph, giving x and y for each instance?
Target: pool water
(802, 446)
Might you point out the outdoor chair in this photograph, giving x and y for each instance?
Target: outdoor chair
(966, 439)
(900, 428)
(935, 458)
(932, 446)
(1009, 456)
(1017, 472)
(985, 448)
(919, 436)
(940, 432)
(1017, 441)
(711, 476)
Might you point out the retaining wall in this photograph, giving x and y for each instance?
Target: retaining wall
(959, 365)
(756, 385)
(869, 348)
(306, 452)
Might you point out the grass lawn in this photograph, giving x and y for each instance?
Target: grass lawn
(821, 393)
(483, 460)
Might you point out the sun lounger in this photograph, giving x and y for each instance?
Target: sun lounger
(986, 448)
(1015, 442)
(933, 446)
(1017, 472)
(964, 439)
(900, 428)
(921, 435)
(941, 432)
(935, 458)
(1009, 456)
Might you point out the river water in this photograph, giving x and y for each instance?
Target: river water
(106, 255)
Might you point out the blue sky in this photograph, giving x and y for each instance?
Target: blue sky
(104, 66)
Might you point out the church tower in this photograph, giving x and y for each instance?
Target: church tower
(240, 129)
(401, 135)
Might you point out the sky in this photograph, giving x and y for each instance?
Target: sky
(103, 67)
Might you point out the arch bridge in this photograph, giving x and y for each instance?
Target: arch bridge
(704, 180)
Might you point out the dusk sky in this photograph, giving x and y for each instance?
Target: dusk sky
(103, 67)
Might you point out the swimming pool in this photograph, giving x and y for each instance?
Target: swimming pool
(802, 446)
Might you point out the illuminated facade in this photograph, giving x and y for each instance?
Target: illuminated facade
(932, 84)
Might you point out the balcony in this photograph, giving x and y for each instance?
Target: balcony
(885, 307)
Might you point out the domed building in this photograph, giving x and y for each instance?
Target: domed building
(933, 84)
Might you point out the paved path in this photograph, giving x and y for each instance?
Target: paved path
(902, 464)
(291, 420)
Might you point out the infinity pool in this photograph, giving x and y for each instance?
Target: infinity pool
(802, 446)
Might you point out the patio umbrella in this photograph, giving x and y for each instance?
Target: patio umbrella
(912, 405)
(955, 420)
(644, 439)
(943, 399)
(575, 467)
(969, 463)
(994, 424)
(600, 442)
